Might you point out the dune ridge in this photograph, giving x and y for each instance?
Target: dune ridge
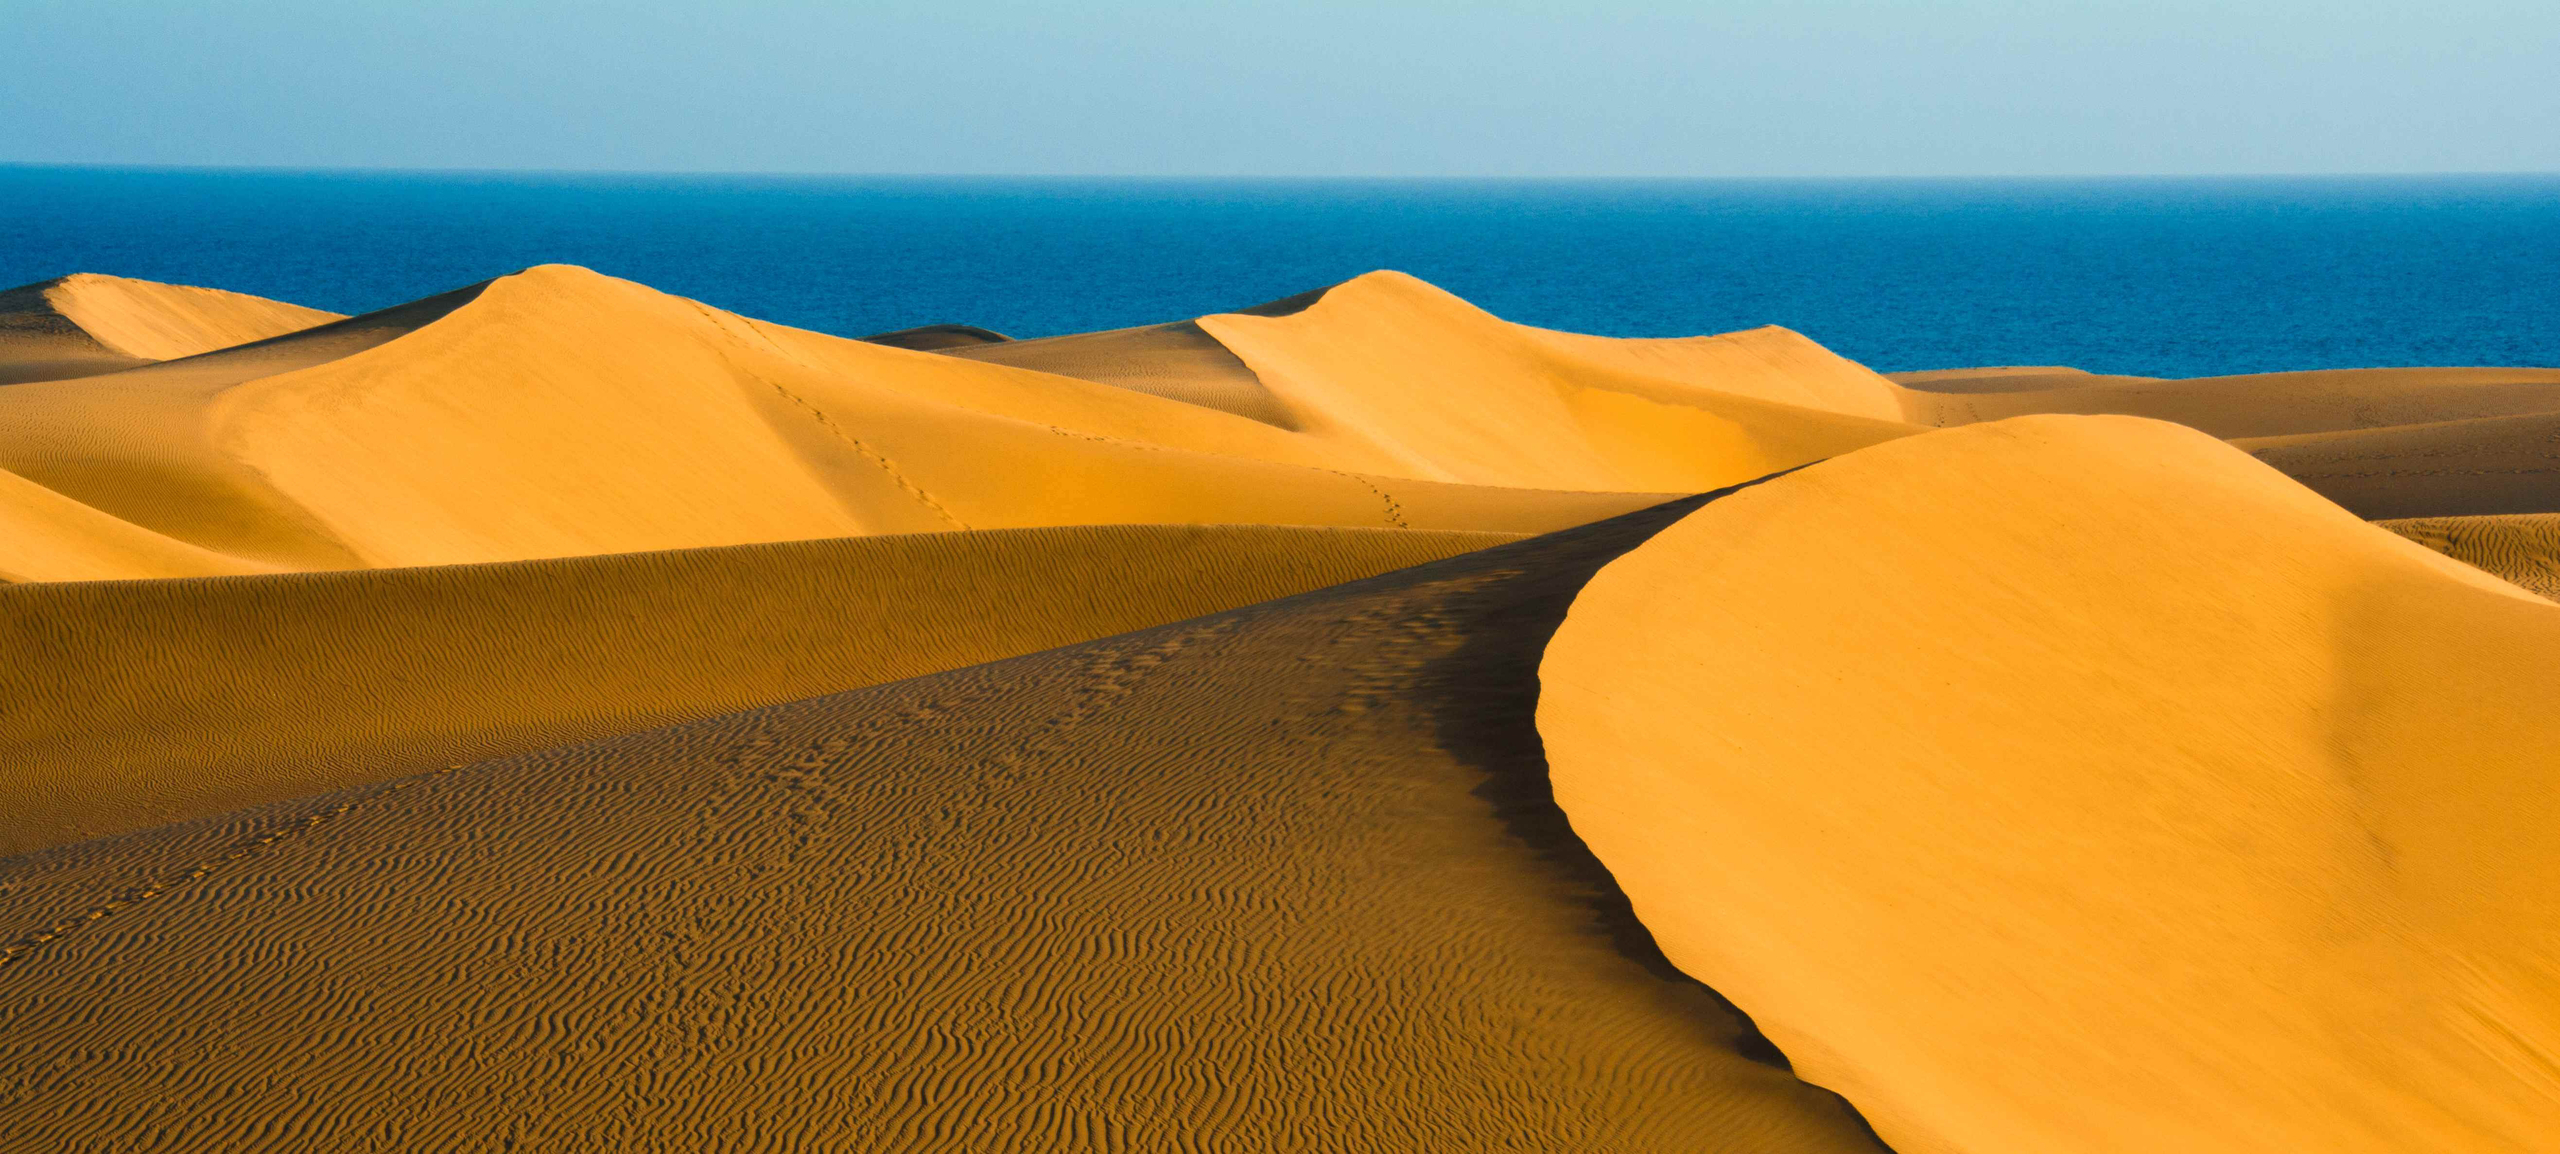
(557, 412)
(2077, 783)
(559, 712)
(86, 323)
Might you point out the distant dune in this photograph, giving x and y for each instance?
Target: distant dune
(2079, 784)
(85, 324)
(561, 413)
(558, 714)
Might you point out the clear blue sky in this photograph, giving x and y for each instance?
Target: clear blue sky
(1391, 87)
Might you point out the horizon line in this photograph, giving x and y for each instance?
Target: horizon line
(822, 174)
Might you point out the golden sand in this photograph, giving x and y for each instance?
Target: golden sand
(2080, 784)
(85, 324)
(558, 713)
(139, 703)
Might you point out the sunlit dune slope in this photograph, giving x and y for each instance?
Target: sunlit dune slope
(1432, 386)
(2524, 548)
(1282, 878)
(2079, 784)
(85, 324)
(2262, 405)
(557, 412)
(2489, 465)
(137, 703)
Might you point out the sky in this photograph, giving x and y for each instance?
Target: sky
(1502, 88)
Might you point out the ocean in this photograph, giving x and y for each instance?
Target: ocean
(2153, 276)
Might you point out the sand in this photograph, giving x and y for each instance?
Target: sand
(2524, 549)
(2080, 784)
(140, 703)
(1279, 878)
(559, 713)
(2263, 405)
(560, 413)
(85, 324)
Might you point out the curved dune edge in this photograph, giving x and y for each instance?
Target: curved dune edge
(85, 323)
(1287, 876)
(557, 412)
(2523, 549)
(138, 703)
(2077, 783)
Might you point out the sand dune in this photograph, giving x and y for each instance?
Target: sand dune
(2489, 465)
(558, 413)
(2079, 784)
(2523, 549)
(2050, 783)
(938, 337)
(2263, 405)
(86, 324)
(1280, 878)
(138, 703)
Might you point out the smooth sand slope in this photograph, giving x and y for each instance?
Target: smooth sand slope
(85, 324)
(557, 413)
(2079, 784)
(1281, 878)
(138, 703)
(2524, 549)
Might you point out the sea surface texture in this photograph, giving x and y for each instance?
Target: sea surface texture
(2154, 277)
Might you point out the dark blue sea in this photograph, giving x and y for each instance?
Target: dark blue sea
(2170, 277)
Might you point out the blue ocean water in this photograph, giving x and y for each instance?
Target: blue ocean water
(2170, 277)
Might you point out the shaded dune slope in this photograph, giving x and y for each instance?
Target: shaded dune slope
(138, 703)
(86, 324)
(2524, 549)
(1285, 877)
(2451, 468)
(2079, 784)
(2261, 405)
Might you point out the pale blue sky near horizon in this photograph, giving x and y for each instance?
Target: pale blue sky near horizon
(1508, 88)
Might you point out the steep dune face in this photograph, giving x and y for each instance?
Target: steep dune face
(1280, 878)
(138, 703)
(2078, 784)
(85, 324)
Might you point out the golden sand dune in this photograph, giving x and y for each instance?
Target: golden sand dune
(85, 324)
(2059, 783)
(1281, 878)
(2079, 784)
(557, 412)
(1439, 388)
(2524, 549)
(2263, 405)
(138, 703)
